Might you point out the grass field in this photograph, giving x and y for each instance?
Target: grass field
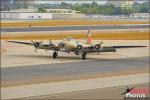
(69, 22)
(104, 35)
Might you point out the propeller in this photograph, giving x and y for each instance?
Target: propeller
(50, 41)
(36, 45)
(61, 44)
(101, 43)
(98, 46)
(79, 47)
(51, 45)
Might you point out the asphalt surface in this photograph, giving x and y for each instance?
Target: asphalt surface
(102, 93)
(61, 70)
(64, 28)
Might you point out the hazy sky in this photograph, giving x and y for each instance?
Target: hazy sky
(72, 2)
(101, 2)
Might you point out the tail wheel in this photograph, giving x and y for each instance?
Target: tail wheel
(55, 55)
(84, 56)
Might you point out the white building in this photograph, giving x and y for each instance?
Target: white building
(121, 3)
(127, 4)
(62, 11)
(19, 15)
(33, 14)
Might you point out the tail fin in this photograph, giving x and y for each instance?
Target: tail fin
(89, 37)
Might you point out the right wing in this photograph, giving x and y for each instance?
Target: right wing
(38, 45)
(27, 43)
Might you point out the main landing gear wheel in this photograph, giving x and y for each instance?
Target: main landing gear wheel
(84, 56)
(55, 55)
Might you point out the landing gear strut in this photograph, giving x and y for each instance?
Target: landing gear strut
(76, 52)
(83, 56)
(55, 54)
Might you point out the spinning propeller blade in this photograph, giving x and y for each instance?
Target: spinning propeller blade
(36, 45)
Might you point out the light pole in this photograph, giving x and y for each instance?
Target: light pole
(97, 11)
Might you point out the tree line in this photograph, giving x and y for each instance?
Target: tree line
(94, 8)
(86, 8)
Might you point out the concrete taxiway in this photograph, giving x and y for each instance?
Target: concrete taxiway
(65, 28)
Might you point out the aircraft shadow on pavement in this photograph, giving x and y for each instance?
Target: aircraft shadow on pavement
(59, 57)
(49, 57)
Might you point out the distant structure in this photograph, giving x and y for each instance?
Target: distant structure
(62, 11)
(25, 16)
(140, 15)
(16, 1)
(6, 4)
(27, 1)
(65, 13)
(50, 14)
(7, 1)
(11, 4)
(121, 3)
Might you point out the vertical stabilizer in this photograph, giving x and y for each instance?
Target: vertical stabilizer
(89, 37)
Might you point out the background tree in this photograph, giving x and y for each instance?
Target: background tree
(42, 10)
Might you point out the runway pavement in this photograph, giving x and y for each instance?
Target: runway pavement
(71, 70)
(64, 28)
(100, 93)
(57, 88)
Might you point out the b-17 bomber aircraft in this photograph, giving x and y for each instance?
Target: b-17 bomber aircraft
(70, 44)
